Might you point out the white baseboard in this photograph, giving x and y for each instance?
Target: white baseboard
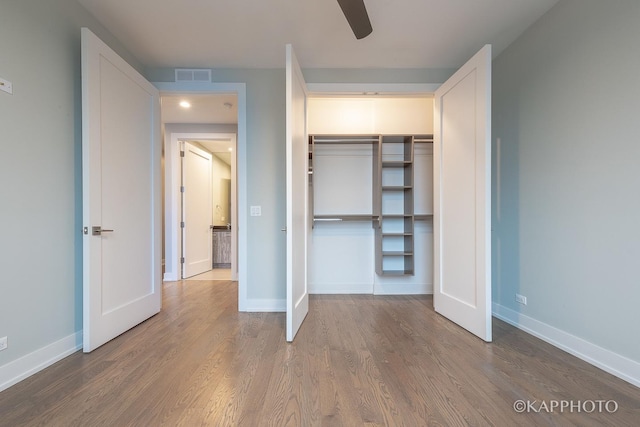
(169, 277)
(19, 369)
(265, 305)
(613, 363)
(371, 289)
(340, 288)
(402, 288)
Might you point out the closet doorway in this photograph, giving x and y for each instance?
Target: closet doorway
(461, 195)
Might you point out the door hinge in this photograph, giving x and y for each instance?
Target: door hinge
(182, 153)
(182, 188)
(182, 224)
(182, 260)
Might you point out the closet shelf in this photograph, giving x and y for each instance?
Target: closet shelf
(396, 253)
(396, 187)
(423, 217)
(396, 163)
(397, 272)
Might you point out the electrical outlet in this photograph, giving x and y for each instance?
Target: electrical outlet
(3, 343)
(521, 299)
(6, 86)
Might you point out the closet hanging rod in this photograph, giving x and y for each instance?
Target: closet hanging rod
(346, 140)
(346, 217)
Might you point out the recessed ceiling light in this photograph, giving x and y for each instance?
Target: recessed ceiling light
(230, 149)
(185, 104)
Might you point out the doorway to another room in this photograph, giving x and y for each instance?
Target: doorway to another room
(206, 223)
(201, 220)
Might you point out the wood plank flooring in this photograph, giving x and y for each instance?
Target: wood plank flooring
(357, 361)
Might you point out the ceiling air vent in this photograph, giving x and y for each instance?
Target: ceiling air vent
(192, 75)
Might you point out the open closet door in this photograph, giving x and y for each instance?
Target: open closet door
(121, 195)
(462, 196)
(297, 195)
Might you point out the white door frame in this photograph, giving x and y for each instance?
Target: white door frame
(173, 169)
(347, 89)
(241, 165)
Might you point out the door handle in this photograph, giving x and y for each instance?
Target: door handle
(283, 229)
(97, 230)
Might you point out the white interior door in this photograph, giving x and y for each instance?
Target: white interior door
(197, 211)
(121, 149)
(462, 196)
(297, 195)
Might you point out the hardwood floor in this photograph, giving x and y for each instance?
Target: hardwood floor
(357, 360)
(215, 274)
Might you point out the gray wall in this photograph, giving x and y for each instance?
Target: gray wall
(40, 171)
(566, 105)
(266, 178)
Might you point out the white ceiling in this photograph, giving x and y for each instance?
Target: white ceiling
(252, 33)
(207, 108)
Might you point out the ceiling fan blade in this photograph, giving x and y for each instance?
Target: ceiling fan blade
(357, 16)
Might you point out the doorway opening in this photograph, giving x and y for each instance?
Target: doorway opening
(207, 123)
(216, 122)
(208, 207)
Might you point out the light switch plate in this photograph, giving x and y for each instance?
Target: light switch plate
(256, 210)
(6, 86)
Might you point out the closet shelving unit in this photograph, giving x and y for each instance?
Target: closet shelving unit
(393, 217)
(394, 200)
(394, 197)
